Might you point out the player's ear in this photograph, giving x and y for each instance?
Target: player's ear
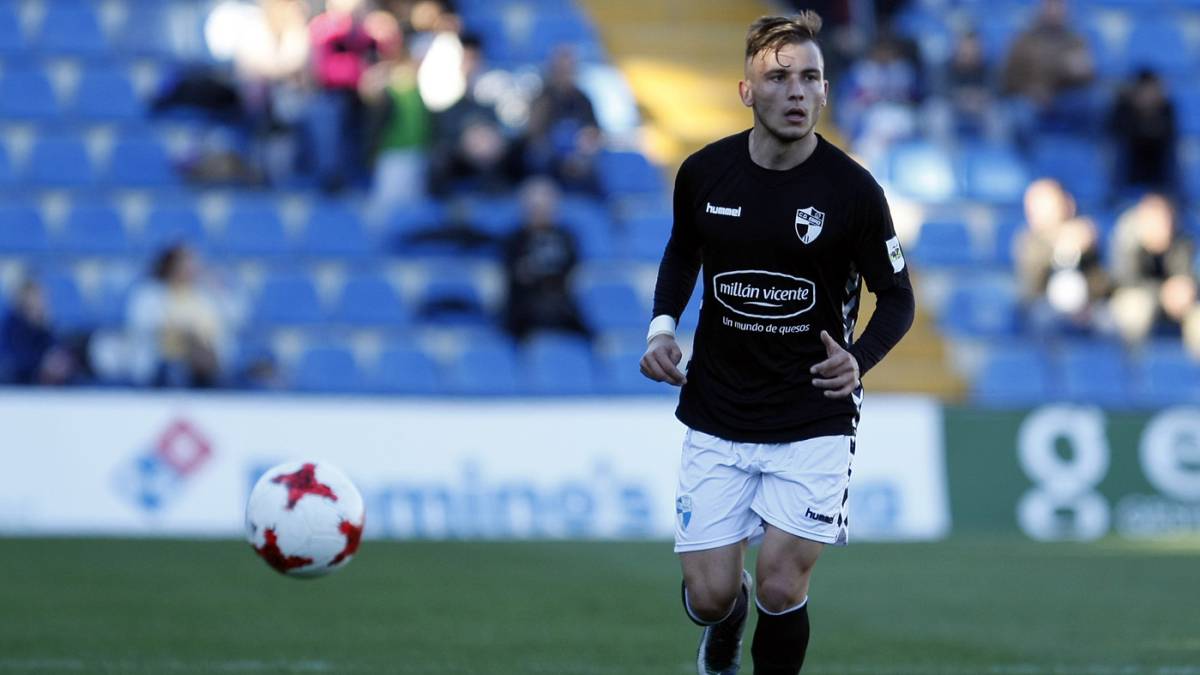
(744, 92)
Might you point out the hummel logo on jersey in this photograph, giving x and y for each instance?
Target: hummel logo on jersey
(828, 520)
(723, 210)
(808, 224)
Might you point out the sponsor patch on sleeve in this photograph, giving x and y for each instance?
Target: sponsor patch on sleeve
(895, 254)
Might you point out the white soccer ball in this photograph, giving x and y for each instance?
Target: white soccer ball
(305, 519)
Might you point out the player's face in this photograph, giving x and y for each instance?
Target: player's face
(786, 90)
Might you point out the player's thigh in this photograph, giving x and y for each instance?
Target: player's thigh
(785, 565)
(714, 497)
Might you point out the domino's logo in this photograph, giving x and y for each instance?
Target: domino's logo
(159, 473)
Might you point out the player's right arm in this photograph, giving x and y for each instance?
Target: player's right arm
(676, 279)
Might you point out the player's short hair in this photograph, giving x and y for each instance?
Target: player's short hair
(772, 33)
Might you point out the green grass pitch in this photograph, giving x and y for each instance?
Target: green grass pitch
(966, 606)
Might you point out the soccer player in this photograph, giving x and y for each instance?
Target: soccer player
(786, 228)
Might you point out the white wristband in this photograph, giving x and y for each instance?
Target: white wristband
(663, 324)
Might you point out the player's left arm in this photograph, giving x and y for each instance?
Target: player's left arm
(879, 258)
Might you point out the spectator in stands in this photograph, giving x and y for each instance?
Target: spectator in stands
(270, 61)
(1152, 267)
(880, 104)
(1143, 124)
(179, 327)
(470, 149)
(970, 91)
(1048, 65)
(347, 39)
(563, 137)
(30, 353)
(1059, 265)
(539, 260)
(401, 136)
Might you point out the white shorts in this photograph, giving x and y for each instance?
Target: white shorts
(728, 490)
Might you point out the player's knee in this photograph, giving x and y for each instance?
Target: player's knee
(780, 593)
(708, 603)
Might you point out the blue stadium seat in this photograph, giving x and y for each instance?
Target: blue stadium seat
(254, 228)
(94, 229)
(944, 244)
(288, 300)
(146, 33)
(335, 229)
(995, 174)
(452, 299)
(1095, 372)
(981, 308)
(406, 220)
(1078, 163)
(27, 94)
(7, 175)
(65, 303)
(497, 216)
(406, 370)
(1187, 112)
(558, 364)
(923, 172)
(72, 29)
(1158, 41)
(106, 93)
(141, 161)
(1167, 375)
(627, 173)
(12, 37)
(486, 367)
(60, 161)
(1014, 376)
(612, 306)
(23, 232)
(646, 235)
(172, 222)
(368, 300)
(329, 369)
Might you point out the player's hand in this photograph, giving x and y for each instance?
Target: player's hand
(661, 361)
(838, 373)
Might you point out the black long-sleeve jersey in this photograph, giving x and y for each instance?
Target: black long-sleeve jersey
(784, 254)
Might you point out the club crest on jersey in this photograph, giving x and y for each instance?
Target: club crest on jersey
(808, 224)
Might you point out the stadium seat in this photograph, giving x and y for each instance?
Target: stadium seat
(146, 33)
(7, 175)
(1078, 163)
(486, 367)
(172, 222)
(1013, 376)
(65, 303)
(620, 375)
(558, 364)
(106, 94)
(24, 232)
(368, 300)
(12, 37)
(93, 229)
(60, 161)
(405, 221)
(944, 244)
(923, 172)
(1167, 375)
(452, 299)
(978, 308)
(627, 173)
(335, 230)
(71, 29)
(406, 370)
(1187, 114)
(254, 228)
(592, 228)
(496, 216)
(1159, 42)
(141, 161)
(27, 94)
(646, 235)
(995, 175)
(328, 369)
(1095, 372)
(288, 300)
(612, 306)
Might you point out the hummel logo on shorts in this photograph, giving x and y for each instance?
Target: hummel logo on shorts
(828, 520)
